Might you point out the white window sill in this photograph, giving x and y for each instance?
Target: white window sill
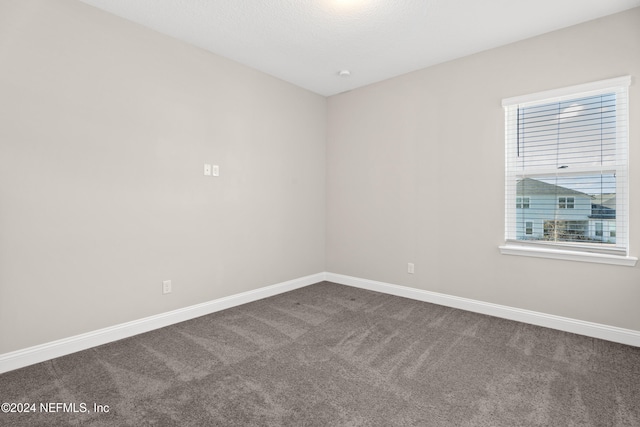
(568, 255)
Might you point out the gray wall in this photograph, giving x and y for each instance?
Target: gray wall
(415, 173)
(104, 130)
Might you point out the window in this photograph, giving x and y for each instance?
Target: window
(566, 164)
(565, 202)
(522, 202)
(598, 229)
(528, 228)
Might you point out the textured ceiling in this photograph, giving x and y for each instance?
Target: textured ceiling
(307, 42)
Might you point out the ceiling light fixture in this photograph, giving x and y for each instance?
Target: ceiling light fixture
(346, 4)
(344, 73)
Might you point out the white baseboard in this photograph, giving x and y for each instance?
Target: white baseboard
(47, 351)
(595, 330)
(40, 353)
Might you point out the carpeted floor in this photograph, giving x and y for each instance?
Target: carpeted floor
(332, 355)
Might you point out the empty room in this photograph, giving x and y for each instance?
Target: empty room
(319, 213)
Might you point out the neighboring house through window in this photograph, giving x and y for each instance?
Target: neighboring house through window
(566, 169)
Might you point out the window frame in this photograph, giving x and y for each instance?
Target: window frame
(569, 250)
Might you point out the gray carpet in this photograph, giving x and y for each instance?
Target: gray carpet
(332, 355)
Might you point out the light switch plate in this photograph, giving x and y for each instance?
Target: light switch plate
(166, 286)
(207, 169)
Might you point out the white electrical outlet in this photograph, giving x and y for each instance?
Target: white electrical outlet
(410, 268)
(215, 171)
(166, 286)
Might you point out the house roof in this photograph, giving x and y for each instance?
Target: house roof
(606, 200)
(531, 187)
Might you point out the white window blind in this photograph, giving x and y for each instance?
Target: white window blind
(566, 154)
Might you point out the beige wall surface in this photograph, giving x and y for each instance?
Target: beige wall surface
(105, 127)
(104, 130)
(415, 173)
